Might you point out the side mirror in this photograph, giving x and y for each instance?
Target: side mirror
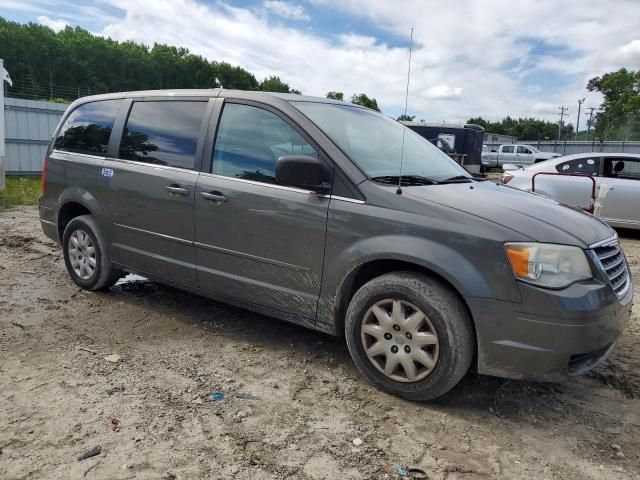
(302, 171)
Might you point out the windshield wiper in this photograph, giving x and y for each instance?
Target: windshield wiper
(457, 179)
(407, 180)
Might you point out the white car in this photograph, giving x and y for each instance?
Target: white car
(616, 177)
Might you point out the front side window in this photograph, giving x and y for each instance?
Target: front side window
(585, 166)
(88, 128)
(523, 150)
(377, 143)
(627, 168)
(163, 133)
(250, 140)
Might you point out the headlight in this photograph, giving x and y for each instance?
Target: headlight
(548, 265)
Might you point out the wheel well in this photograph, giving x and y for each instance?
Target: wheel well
(68, 212)
(374, 269)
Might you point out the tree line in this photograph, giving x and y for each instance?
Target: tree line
(618, 117)
(74, 62)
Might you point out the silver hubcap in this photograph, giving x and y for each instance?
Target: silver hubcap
(82, 254)
(400, 340)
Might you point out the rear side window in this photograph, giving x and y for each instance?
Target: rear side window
(163, 133)
(508, 149)
(250, 140)
(88, 128)
(585, 166)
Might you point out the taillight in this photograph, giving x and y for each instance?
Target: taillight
(506, 178)
(44, 172)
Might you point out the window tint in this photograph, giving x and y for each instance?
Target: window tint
(163, 133)
(522, 149)
(627, 168)
(88, 127)
(250, 140)
(586, 166)
(507, 149)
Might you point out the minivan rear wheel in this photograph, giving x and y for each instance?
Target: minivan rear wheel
(410, 335)
(86, 256)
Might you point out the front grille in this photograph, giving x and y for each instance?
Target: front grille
(614, 265)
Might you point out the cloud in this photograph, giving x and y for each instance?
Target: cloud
(521, 58)
(628, 54)
(286, 10)
(442, 92)
(55, 25)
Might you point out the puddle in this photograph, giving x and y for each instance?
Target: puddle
(131, 278)
(133, 283)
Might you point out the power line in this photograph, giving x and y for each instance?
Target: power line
(590, 121)
(563, 111)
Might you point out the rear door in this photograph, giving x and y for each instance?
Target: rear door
(257, 241)
(620, 191)
(575, 186)
(151, 186)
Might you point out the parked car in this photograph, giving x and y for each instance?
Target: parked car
(515, 154)
(617, 183)
(294, 207)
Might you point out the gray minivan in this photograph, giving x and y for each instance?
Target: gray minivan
(337, 218)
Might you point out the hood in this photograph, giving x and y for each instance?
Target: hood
(547, 155)
(540, 218)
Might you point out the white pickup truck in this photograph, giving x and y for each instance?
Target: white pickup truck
(516, 154)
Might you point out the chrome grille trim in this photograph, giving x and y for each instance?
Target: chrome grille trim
(611, 261)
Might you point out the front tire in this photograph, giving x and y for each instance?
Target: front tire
(410, 335)
(86, 256)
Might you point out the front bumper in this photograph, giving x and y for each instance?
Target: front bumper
(551, 334)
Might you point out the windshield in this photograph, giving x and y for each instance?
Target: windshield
(374, 142)
(533, 149)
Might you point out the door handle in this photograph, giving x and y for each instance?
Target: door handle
(176, 189)
(215, 197)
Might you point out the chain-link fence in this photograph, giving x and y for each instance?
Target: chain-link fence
(50, 91)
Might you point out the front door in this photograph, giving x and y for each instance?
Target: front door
(151, 188)
(258, 241)
(524, 155)
(621, 197)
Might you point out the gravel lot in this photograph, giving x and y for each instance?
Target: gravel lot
(293, 407)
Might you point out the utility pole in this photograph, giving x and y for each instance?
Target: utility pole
(580, 102)
(590, 121)
(563, 111)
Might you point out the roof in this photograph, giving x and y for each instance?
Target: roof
(214, 92)
(578, 156)
(472, 126)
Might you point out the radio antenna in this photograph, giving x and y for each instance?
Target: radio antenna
(406, 103)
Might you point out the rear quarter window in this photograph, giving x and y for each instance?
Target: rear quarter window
(87, 128)
(585, 166)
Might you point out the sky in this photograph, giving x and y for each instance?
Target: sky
(489, 58)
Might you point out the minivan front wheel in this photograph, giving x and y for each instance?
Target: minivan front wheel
(410, 335)
(86, 256)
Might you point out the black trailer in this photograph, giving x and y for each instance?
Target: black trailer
(462, 142)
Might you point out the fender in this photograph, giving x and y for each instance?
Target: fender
(436, 257)
(83, 197)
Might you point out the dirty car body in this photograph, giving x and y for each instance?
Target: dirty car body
(216, 213)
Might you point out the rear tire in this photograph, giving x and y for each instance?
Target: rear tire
(416, 323)
(86, 256)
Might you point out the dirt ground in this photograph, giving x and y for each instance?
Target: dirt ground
(294, 405)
